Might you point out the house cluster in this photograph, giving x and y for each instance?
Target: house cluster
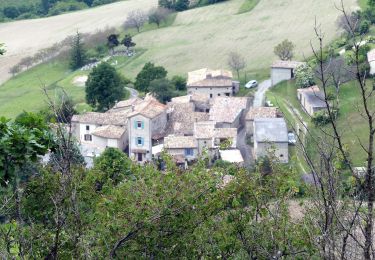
(206, 121)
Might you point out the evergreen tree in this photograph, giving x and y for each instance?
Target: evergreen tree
(128, 41)
(104, 87)
(182, 5)
(78, 56)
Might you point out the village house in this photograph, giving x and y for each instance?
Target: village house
(181, 148)
(212, 83)
(227, 111)
(283, 70)
(311, 99)
(101, 129)
(146, 126)
(259, 112)
(271, 135)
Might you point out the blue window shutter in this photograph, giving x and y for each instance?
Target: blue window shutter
(135, 124)
(142, 140)
(143, 125)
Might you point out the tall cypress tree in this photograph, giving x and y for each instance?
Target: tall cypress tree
(78, 55)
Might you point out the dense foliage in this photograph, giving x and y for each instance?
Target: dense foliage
(182, 5)
(104, 87)
(149, 73)
(19, 9)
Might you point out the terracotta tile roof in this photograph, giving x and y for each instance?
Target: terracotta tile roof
(262, 112)
(209, 78)
(204, 129)
(227, 109)
(109, 131)
(127, 103)
(115, 118)
(183, 117)
(180, 142)
(149, 109)
(225, 132)
(286, 64)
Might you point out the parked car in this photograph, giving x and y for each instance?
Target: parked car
(292, 138)
(251, 84)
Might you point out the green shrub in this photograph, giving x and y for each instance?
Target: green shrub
(322, 118)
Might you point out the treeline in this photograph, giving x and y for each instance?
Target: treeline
(182, 5)
(39, 8)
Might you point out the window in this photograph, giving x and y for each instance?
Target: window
(88, 137)
(139, 141)
(140, 157)
(87, 127)
(218, 95)
(281, 155)
(138, 125)
(210, 95)
(227, 94)
(189, 152)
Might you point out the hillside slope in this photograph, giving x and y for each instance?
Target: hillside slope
(204, 36)
(26, 37)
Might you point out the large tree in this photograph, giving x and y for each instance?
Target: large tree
(162, 89)
(78, 57)
(149, 73)
(285, 50)
(104, 87)
(236, 62)
(135, 19)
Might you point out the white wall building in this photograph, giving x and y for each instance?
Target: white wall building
(283, 70)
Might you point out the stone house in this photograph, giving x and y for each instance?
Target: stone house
(271, 134)
(227, 111)
(311, 99)
(182, 148)
(146, 123)
(212, 83)
(259, 112)
(283, 70)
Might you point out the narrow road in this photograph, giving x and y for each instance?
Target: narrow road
(261, 91)
(133, 93)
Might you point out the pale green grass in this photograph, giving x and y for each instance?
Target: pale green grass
(203, 37)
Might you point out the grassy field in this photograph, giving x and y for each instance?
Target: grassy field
(247, 6)
(203, 37)
(351, 124)
(25, 91)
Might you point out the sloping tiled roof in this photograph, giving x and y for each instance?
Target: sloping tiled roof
(183, 117)
(204, 129)
(313, 95)
(115, 118)
(127, 103)
(149, 109)
(225, 132)
(270, 130)
(262, 112)
(286, 64)
(209, 78)
(226, 109)
(180, 142)
(109, 131)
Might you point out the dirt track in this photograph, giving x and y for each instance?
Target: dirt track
(25, 38)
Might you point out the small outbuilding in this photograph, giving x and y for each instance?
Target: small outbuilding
(232, 156)
(371, 61)
(283, 70)
(311, 99)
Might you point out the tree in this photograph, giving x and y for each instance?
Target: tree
(182, 5)
(128, 41)
(78, 57)
(162, 89)
(11, 12)
(2, 49)
(104, 87)
(304, 76)
(149, 73)
(285, 50)
(179, 83)
(112, 42)
(236, 62)
(135, 19)
(158, 15)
